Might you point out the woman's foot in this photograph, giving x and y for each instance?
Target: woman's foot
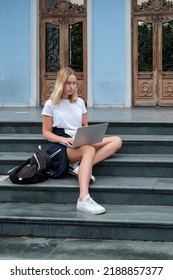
(88, 205)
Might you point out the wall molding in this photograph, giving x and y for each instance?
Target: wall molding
(128, 56)
(89, 54)
(34, 53)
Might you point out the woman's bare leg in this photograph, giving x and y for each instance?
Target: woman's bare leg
(90, 155)
(85, 155)
(106, 148)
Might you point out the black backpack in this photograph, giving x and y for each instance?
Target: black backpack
(35, 169)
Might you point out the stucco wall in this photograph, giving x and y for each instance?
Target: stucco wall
(108, 52)
(14, 51)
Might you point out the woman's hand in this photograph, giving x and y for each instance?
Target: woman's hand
(66, 141)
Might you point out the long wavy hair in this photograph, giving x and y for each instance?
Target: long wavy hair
(61, 79)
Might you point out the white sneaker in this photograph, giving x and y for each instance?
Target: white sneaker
(75, 171)
(88, 205)
(73, 165)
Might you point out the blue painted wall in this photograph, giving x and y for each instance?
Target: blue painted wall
(14, 51)
(108, 52)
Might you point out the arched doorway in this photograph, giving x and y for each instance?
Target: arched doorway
(152, 23)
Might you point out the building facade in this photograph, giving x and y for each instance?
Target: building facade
(112, 75)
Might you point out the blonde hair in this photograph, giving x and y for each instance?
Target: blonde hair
(61, 79)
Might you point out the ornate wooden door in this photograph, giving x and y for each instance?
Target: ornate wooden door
(153, 53)
(62, 43)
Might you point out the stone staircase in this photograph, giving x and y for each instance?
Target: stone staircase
(135, 186)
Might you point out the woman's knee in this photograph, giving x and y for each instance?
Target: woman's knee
(88, 150)
(117, 142)
(79, 153)
(87, 153)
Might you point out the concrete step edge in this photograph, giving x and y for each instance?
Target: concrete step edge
(126, 138)
(130, 215)
(118, 157)
(103, 183)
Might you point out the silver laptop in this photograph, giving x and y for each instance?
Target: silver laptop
(89, 135)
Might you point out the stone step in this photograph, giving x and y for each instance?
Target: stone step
(115, 127)
(62, 220)
(21, 127)
(106, 190)
(146, 165)
(35, 248)
(21, 142)
(147, 144)
(141, 144)
(140, 128)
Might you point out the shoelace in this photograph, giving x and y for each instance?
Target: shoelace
(91, 201)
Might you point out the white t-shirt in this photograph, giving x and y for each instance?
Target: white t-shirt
(65, 115)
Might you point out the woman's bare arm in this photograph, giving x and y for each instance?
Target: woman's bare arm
(49, 135)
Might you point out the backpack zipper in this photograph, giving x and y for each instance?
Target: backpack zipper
(37, 161)
(55, 153)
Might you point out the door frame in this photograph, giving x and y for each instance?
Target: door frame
(34, 54)
(156, 81)
(62, 15)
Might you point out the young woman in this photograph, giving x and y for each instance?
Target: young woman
(62, 114)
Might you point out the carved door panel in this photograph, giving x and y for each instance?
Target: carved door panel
(165, 64)
(62, 43)
(153, 54)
